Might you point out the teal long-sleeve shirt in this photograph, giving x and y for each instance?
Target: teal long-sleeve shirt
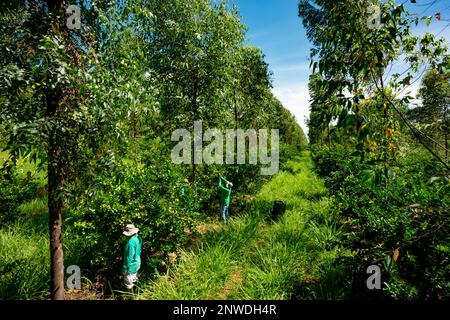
(225, 193)
(132, 255)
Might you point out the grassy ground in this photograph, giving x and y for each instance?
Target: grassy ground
(254, 258)
(24, 245)
(250, 258)
(24, 263)
(25, 256)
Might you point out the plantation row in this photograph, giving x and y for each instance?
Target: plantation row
(88, 118)
(256, 257)
(86, 121)
(383, 157)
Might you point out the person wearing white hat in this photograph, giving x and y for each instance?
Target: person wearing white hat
(132, 256)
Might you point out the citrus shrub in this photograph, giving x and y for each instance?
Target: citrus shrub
(399, 222)
(157, 200)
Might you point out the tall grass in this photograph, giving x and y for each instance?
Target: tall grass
(203, 273)
(24, 263)
(250, 258)
(253, 258)
(25, 256)
(24, 245)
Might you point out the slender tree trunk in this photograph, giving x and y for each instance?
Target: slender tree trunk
(446, 132)
(55, 204)
(56, 174)
(194, 172)
(329, 135)
(235, 122)
(133, 135)
(195, 112)
(386, 147)
(235, 116)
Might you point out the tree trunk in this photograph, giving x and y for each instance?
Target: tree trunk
(235, 123)
(133, 135)
(194, 172)
(56, 167)
(446, 132)
(56, 173)
(196, 118)
(55, 204)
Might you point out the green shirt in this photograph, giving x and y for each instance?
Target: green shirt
(225, 194)
(132, 255)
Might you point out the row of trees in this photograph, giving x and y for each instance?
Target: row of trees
(97, 105)
(385, 160)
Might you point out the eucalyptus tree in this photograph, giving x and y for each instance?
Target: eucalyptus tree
(253, 105)
(320, 118)
(191, 48)
(354, 55)
(357, 55)
(433, 113)
(39, 64)
(58, 92)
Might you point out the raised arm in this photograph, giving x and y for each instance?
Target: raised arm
(221, 187)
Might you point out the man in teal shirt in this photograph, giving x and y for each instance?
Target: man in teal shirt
(225, 195)
(132, 256)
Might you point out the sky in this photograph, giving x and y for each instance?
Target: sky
(274, 27)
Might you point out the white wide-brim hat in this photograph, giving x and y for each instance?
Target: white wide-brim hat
(130, 230)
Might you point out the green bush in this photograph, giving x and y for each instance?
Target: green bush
(14, 191)
(334, 164)
(401, 217)
(155, 198)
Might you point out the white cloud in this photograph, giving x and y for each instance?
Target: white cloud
(295, 97)
(412, 91)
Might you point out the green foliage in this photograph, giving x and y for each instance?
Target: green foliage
(433, 115)
(193, 68)
(391, 199)
(97, 106)
(333, 164)
(24, 263)
(403, 219)
(252, 258)
(153, 197)
(435, 93)
(352, 60)
(14, 191)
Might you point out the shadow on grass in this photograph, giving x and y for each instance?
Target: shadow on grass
(328, 284)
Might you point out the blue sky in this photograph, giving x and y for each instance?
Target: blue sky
(274, 26)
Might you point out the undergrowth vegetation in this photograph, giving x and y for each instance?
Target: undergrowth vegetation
(255, 257)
